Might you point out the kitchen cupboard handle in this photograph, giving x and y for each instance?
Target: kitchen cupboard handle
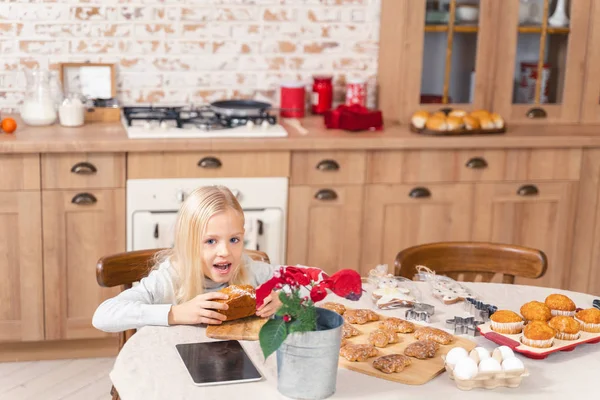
(536, 113)
(84, 168)
(328, 165)
(84, 199)
(476, 163)
(210, 162)
(326, 194)
(419, 193)
(528, 190)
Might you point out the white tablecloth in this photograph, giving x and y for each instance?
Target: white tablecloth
(149, 367)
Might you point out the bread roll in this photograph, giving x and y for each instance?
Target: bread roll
(419, 119)
(487, 123)
(480, 114)
(439, 114)
(455, 123)
(457, 113)
(498, 120)
(437, 124)
(471, 123)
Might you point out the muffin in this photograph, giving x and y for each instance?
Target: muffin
(566, 327)
(419, 119)
(538, 334)
(535, 311)
(589, 319)
(437, 123)
(506, 321)
(471, 123)
(560, 305)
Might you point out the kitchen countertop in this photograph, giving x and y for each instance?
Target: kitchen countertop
(111, 137)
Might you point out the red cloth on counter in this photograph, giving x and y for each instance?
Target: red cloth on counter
(354, 118)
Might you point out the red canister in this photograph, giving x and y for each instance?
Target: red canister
(356, 92)
(322, 94)
(292, 102)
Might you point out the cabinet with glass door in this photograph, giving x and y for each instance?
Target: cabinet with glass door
(541, 49)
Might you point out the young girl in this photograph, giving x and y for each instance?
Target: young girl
(207, 256)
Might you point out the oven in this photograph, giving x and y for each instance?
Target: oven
(152, 206)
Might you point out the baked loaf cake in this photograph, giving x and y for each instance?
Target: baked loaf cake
(241, 301)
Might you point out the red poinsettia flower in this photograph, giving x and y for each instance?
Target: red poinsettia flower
(266, 288)
(345, 283)
(318, 292)
(297, 276)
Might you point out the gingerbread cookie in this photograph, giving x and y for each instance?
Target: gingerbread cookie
(383, 337)
(397, 325)
(434, 334)
(349, 331)
(360, 316)
(358, 352)
(391, 363)
(336, 307)
(422, 349)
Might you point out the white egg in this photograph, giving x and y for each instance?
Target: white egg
(456, 354)
(512, 364)
(482, 352)
(474, 356)
(465, 368)
(489, 365)
(497, 355)
(506, 352)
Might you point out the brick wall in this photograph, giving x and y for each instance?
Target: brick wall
(177, 52)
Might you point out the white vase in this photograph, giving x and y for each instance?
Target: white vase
(559, 18)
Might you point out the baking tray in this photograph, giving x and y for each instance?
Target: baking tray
(514, 342)
(458, 132)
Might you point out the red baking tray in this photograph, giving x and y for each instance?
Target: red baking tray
(514, 342)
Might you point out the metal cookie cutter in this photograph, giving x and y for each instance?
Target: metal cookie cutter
(419, 312)
(596, 303)
(479, 310)
(464, 326)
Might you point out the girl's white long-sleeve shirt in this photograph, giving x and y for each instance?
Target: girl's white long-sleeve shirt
(149, 302)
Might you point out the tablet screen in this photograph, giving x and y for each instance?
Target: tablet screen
(217, 363)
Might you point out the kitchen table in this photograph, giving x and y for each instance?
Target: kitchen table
(149, 367)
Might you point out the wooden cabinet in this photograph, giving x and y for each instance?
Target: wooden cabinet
(400, 216)
(324, 226)
(21, 285)
(78, 229)
(438, 54)
(534, 214)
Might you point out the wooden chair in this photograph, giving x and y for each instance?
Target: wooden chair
(123, 269)
(468, 261)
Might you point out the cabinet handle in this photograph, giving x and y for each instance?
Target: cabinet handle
(476, 163)
(210, 162)
(84, 168)
(84, 199)
(419, 193)
(528, 190)
(536, 113)
(328, 165)
(326, 194)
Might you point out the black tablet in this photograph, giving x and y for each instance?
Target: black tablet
(218, 363)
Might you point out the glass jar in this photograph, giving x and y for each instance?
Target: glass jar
(322, 94)
(39, 106)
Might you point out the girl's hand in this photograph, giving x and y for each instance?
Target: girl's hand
(199, 310)
(270, 305)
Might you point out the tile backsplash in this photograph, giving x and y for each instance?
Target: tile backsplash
(192, 51)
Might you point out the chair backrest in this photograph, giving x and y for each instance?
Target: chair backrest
(471, 261)
(131, 266)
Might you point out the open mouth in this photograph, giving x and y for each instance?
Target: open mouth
(222, 268)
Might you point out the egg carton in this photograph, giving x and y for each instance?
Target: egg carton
(489, 380)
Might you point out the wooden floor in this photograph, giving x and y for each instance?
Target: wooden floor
(81, 379)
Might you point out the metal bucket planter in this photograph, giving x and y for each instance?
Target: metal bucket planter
(307, 362)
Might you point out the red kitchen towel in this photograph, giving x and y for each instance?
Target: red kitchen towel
(354, 118)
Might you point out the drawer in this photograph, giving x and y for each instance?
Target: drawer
(20, 171)
(207, 165)
(83, 170)
(328, 167)
(414, 166)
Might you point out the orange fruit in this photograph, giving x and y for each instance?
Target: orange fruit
(9, 125)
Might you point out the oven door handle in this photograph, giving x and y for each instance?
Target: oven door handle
(210, 163)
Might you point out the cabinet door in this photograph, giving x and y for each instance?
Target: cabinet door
(21, 287)
(533, 214)
(541, 56)
(590, 109)
(429, 52)
(78, 229)
(324, 226)
(401, 216)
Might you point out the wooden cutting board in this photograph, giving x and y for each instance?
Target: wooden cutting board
(239, 329)
(418, 373)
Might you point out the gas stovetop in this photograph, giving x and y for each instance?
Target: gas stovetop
(197, 122)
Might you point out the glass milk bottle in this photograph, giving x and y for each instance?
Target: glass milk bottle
(39, 106)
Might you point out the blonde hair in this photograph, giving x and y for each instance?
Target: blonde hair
(186, 254)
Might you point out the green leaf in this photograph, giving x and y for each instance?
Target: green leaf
(271, 335)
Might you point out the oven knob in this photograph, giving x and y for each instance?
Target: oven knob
(180, 196)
